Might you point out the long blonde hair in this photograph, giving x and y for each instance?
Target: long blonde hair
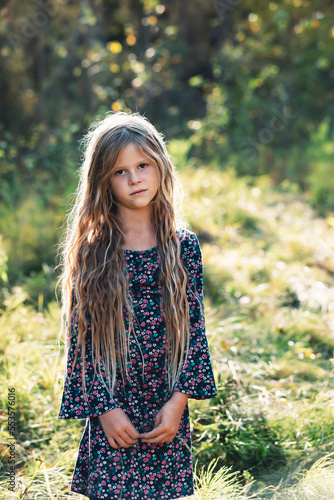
(93, 275)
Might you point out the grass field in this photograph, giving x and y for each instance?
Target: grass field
(269, 296)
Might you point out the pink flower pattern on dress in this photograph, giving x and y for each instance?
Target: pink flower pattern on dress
(143, 471)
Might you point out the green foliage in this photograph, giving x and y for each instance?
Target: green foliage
(220, 485)
(269, 303)
(231, 77)
(31, 231)
(257, 119)
(237, 433)
(320, 174)
(3, 264)
(41, 164)
(318, 482)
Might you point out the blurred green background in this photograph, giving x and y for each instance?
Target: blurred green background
(245, 85)
(243, 92)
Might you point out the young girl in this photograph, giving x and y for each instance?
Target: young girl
(134, 313)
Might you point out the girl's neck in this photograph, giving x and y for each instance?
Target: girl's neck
(138, 229)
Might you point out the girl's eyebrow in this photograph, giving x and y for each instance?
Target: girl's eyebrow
(142, 160)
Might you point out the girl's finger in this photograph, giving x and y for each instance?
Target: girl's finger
(131, 431)
(160, 438)
(148, 439)
(129, 439)
(158, 420)
(125, 440)
(155, 432)
(122, 443)
(112, 443)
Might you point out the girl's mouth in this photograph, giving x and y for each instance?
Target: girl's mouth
(138, 192)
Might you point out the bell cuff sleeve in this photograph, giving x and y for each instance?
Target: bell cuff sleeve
(73, 403)
(197, 379)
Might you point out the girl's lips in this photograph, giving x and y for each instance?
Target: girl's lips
(139, 192)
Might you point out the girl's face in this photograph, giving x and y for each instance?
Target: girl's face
(135, 179)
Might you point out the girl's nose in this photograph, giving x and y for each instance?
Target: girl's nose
(134, 178)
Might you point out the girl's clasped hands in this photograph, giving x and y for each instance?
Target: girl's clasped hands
(121, 433)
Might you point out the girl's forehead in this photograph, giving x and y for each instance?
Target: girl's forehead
(130, 148)
(130, 153)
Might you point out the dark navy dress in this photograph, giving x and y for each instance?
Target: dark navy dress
(144, 471)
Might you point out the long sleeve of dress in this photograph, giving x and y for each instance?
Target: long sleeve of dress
(197, 378)
(73, 404)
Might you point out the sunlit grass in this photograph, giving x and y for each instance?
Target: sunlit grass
(220, 485)
(317, 483)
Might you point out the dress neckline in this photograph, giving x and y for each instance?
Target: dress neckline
(140, 251)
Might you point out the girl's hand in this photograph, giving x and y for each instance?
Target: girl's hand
(167, 420)
(118, 428)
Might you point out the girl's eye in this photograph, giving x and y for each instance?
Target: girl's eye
(119, 172)
(142, 165)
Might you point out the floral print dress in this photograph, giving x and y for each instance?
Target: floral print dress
(144, 471)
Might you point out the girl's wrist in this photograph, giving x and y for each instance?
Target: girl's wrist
(179, 399)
